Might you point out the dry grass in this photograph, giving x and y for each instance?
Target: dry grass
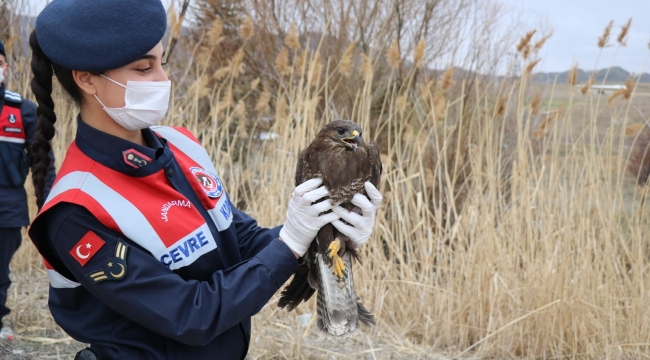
(505, 233)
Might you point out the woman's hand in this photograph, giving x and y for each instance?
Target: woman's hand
(303, 220)
(360, 226)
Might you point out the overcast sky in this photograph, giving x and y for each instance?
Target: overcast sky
(576, 25)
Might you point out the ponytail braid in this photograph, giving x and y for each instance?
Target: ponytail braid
(42, 89)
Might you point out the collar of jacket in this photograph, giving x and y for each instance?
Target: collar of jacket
(108, 150)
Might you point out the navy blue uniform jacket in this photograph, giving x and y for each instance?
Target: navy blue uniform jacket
(201, 311)
(13, 199)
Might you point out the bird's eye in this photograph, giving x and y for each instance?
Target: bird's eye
(341, 131)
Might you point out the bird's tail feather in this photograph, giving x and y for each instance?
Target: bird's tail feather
(334, 305)
(364, 315)
(353, 253)
(298, 289)
(339, 309)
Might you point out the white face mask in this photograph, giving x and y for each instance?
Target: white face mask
(2, 74)
(145, 104)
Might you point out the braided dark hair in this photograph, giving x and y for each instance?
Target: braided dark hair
(43, 70)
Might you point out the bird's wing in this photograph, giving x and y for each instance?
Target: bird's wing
(375, 163)
(305, 279)
(303, 172)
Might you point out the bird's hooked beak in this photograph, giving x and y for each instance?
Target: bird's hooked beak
(352, 140)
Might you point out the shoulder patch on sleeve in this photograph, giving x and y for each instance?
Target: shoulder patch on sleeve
(115, 267)
(86, 248)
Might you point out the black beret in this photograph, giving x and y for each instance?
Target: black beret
(2, 49)
(99, 35)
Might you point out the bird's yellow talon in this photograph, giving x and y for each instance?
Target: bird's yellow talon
(338, 266)
(337, 263)
(334, 248)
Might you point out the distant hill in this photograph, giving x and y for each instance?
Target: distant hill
(616, 74)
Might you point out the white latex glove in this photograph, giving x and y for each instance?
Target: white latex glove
(361, 225)
(303, 221)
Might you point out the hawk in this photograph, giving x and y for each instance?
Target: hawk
(340, 156)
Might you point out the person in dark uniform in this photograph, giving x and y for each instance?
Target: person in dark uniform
(146, 254)
(18, 125)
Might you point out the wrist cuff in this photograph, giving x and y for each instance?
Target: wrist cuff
(292, 244)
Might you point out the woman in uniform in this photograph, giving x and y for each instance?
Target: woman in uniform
(147, 256)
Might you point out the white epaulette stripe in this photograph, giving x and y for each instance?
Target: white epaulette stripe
(132, 223)
(12, 140)
(59, 281)
(221, 213)
(12, 96)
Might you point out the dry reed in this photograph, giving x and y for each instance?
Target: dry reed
(587, 86)
(603, 40)
(572, 77)
(291, 40)
(393, 56)
(625, 30)
(499, 237)
(523, 47)
(626, 92)
(534, 104)
(418, 53)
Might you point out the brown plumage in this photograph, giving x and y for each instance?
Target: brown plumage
(339, 156)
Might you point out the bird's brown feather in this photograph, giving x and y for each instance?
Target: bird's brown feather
(344, 172)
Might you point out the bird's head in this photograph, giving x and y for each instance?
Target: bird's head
(344, 133)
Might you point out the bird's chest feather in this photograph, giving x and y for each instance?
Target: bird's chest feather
(343, 171)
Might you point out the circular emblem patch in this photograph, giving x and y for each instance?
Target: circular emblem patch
(12, 118)
(210, 182)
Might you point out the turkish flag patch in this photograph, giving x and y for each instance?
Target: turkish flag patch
(88, 246)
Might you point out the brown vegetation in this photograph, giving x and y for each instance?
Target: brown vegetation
(502, 233)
